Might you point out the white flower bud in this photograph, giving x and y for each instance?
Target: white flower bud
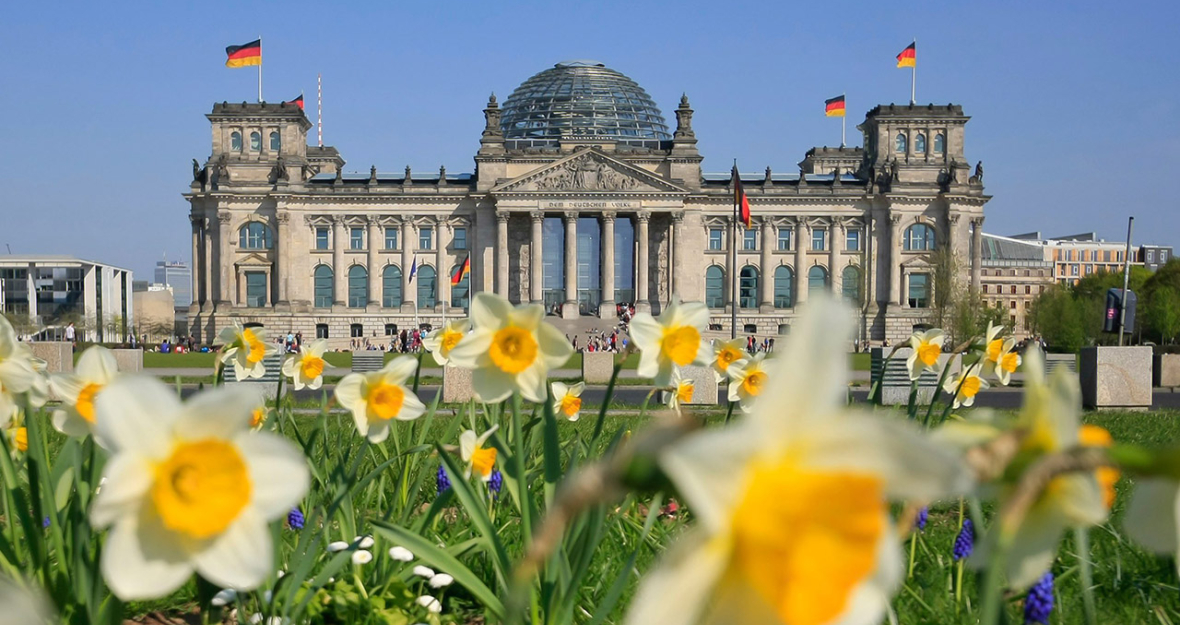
(422, 571)
(441, 580)
(401, 554)
(430, 603)
(366, 541)
(362, 557)
(338, 545)
(224, 597)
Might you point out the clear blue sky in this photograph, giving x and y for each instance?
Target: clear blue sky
(1074, 108)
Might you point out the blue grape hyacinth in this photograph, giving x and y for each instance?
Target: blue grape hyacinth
(496, 483)
(920, 521)
(295, 519)
(965, 541)
(1039, 602)
(444, 482)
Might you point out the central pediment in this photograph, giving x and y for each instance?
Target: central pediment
(588, 171)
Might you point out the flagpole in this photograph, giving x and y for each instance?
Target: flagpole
(319, 106)
(733, 270)
(914, 74)
(260, 68)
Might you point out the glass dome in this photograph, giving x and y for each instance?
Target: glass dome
(581, 98)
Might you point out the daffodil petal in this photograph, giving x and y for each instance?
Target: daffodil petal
(708, 470)
(646, 332)
(813, 380)
(489, 311)
(240, 557)
(555, 350)
(378, 431)
(531, 382)
(491, 384)
(471, 350)
(870, 599)
(412, 407)
(1034, 545)
(348, 390)
(142, 563)
(217, 413)
(97, 364)
(127, 480)
(1153, 517)
(278, 472)
(687, 572)
(527, 316)
(70, 423)
(136, 413)
(399, 369)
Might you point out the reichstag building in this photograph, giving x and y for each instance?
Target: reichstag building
(583, 198)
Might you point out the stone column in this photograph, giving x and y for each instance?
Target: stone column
(607, 309)
(502, 253)
(894, 260)
(835, 242)
(678, 260)
(766, 286)
(208, 257)
(570, 309)
(643, 302)
(225, 259)
(802, 234)
(442, 267)
(871, 267)
(409, 296)
(198, 267)
(536, 270)
(374, 243)
(339, 271)
(727, 285)
(31, 289)
(282, 266)
(976, 253)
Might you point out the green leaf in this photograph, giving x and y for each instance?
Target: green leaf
(61, 492)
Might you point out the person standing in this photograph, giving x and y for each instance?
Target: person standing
(71, 334)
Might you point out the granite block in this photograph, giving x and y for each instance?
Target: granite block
(58, 355)
(129, 360)
(597, 367)
(1116, 377)
(456, 385)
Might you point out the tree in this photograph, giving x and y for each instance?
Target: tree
(1058, 317)
(1162, 313)
(955, 308)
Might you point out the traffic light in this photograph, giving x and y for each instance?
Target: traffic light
(1114, 299)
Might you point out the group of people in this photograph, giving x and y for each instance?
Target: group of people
(615, 341)
(754, 346)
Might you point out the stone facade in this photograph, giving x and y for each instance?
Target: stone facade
(281, 236)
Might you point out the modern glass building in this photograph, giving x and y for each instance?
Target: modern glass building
(47, 292)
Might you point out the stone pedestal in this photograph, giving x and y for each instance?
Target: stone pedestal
(704, 384)
(58, 355)
(1166, 370)
(129, 360)
(597, 367)
(456, 385)
(1116, 377)
(1053, 362)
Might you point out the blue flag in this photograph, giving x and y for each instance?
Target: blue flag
(413, 269)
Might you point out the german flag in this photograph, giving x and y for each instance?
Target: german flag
(834, 107)
(297, 101)
(244, 55)
(461, 271)
(909, 56)
(740, 202)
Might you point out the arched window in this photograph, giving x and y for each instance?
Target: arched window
(255, 141)
(323, 286)
(275, 141)
(358, 287)
(850, 283)
(714, 286)
(784, 287)
(817, 279)
(920, 143)
(748, 287)
(235, 141)
(919, 238)
(899, 142)
(427, 283)
(939, 143)
(255, 236)
(391, 287)
(460, 291)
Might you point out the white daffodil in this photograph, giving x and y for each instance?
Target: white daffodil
(726, 353)
(17, 433)
(430, 603)
(378, 398)
(965, 386)
(567, 399)
(1000, 359)
(17, 373)
(401, 554)
(362, 556)
(1153, 516)
(258, 416)
(791, 504)
(306, 369)
(673, 340)
(927, 347)
(77, 391)
(245, 348)
(423, 571)
(510, 349)
(479, 459)
(747, 380)
(680, 392)
(441, 341)
(1050, 417)
(441, 580)
(189, 488)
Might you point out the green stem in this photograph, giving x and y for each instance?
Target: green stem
(913, 549)
(1081, 538)
(992, 598)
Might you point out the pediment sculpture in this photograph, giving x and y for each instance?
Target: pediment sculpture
(586, 174)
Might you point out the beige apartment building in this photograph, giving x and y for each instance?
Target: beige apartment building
(1014, 272)
(582, 199)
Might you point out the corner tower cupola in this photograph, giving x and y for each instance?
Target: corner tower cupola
(924, 141)
(250, 138)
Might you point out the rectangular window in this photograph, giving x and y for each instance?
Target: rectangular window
(819, 239)
(749, 239)
(321, 330)
(1150, 256)
(919, 290)
(1089, 269)
(425, 238)
(321, 238)
(391, 238)
(1085, 255)
(852, 241)
(715, 238)
(785, 237)
(1028, 289)
(255, 289)
(1012, 289)
(985, 288)
(460, 240)
(1073, 270)
(356, 238)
